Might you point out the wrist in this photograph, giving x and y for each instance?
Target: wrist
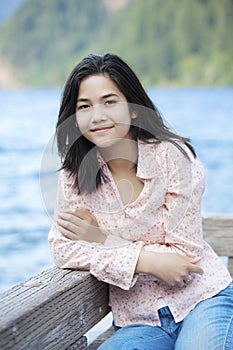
(143, 265)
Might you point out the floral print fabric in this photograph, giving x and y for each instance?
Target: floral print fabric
(166, 217)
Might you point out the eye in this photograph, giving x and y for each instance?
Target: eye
(110, 102)
(82, 107)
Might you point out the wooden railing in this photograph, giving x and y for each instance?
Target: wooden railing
(54, 309)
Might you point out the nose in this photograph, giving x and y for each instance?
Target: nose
(98, 113)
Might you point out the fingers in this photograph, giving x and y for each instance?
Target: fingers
(188, 279)
(86, 215)
(196, 269)
(68, 234)
(193, 267)
(81, 215)
(68, 225)
(195, 260)
(183, 281)
(70, 217)
(76, 224)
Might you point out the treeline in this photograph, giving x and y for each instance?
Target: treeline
(182, 42)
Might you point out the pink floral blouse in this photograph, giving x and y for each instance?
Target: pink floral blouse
(166, 217)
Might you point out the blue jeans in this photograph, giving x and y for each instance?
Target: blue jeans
(209, 326)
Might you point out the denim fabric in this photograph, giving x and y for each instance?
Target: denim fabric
(209, 326)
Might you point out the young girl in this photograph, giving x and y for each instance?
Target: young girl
(129, 211)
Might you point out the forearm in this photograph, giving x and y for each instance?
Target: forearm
(170, 268)
(143, 262)
(70, 254)
(113, 265)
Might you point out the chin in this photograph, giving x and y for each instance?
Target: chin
(106, 144)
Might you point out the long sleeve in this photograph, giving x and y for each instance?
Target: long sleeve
(178, 219)
(180, 214)
(182, 219)
(182, 210)
(114, 265)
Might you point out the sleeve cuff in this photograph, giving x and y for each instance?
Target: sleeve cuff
(117, 266)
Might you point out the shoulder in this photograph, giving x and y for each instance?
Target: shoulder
(175, 162)
(163, 155)
(177, 155)
(179, 158)
(177, 149)
(164, 149)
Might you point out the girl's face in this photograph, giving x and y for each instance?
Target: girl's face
(102, 111)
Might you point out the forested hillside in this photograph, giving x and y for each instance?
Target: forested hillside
(182, 42)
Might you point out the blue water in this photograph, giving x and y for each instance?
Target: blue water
(27, 123)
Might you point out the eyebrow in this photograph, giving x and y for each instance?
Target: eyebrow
(104, 97)
(109, 95)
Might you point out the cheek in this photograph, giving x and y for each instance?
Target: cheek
(122, 115)
(82, 124)
(124, 127)
(125, 124)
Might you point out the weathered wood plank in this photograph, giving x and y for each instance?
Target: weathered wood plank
(218, 232)
(56, 307)
(80, 344)
(53, 310)
(101, 339)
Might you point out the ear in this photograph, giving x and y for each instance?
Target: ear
(133, 115)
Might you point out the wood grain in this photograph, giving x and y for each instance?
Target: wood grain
(54, 310)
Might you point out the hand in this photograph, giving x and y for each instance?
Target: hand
(173, 269)
(80, 224)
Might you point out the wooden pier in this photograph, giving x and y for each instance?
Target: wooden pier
(54, 309)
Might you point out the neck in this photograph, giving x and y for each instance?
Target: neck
(122, 156)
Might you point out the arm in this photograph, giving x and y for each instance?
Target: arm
(177, 255)
(173, 269)
(103, 262)
(182, 209)
(182, 222)
(114, 265)
(168, 267)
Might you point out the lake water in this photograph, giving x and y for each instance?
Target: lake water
(28, 118)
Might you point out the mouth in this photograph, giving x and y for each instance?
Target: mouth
(102, 129)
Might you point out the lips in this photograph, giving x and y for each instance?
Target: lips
(102, 128)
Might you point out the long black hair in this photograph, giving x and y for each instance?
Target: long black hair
(79, 155)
